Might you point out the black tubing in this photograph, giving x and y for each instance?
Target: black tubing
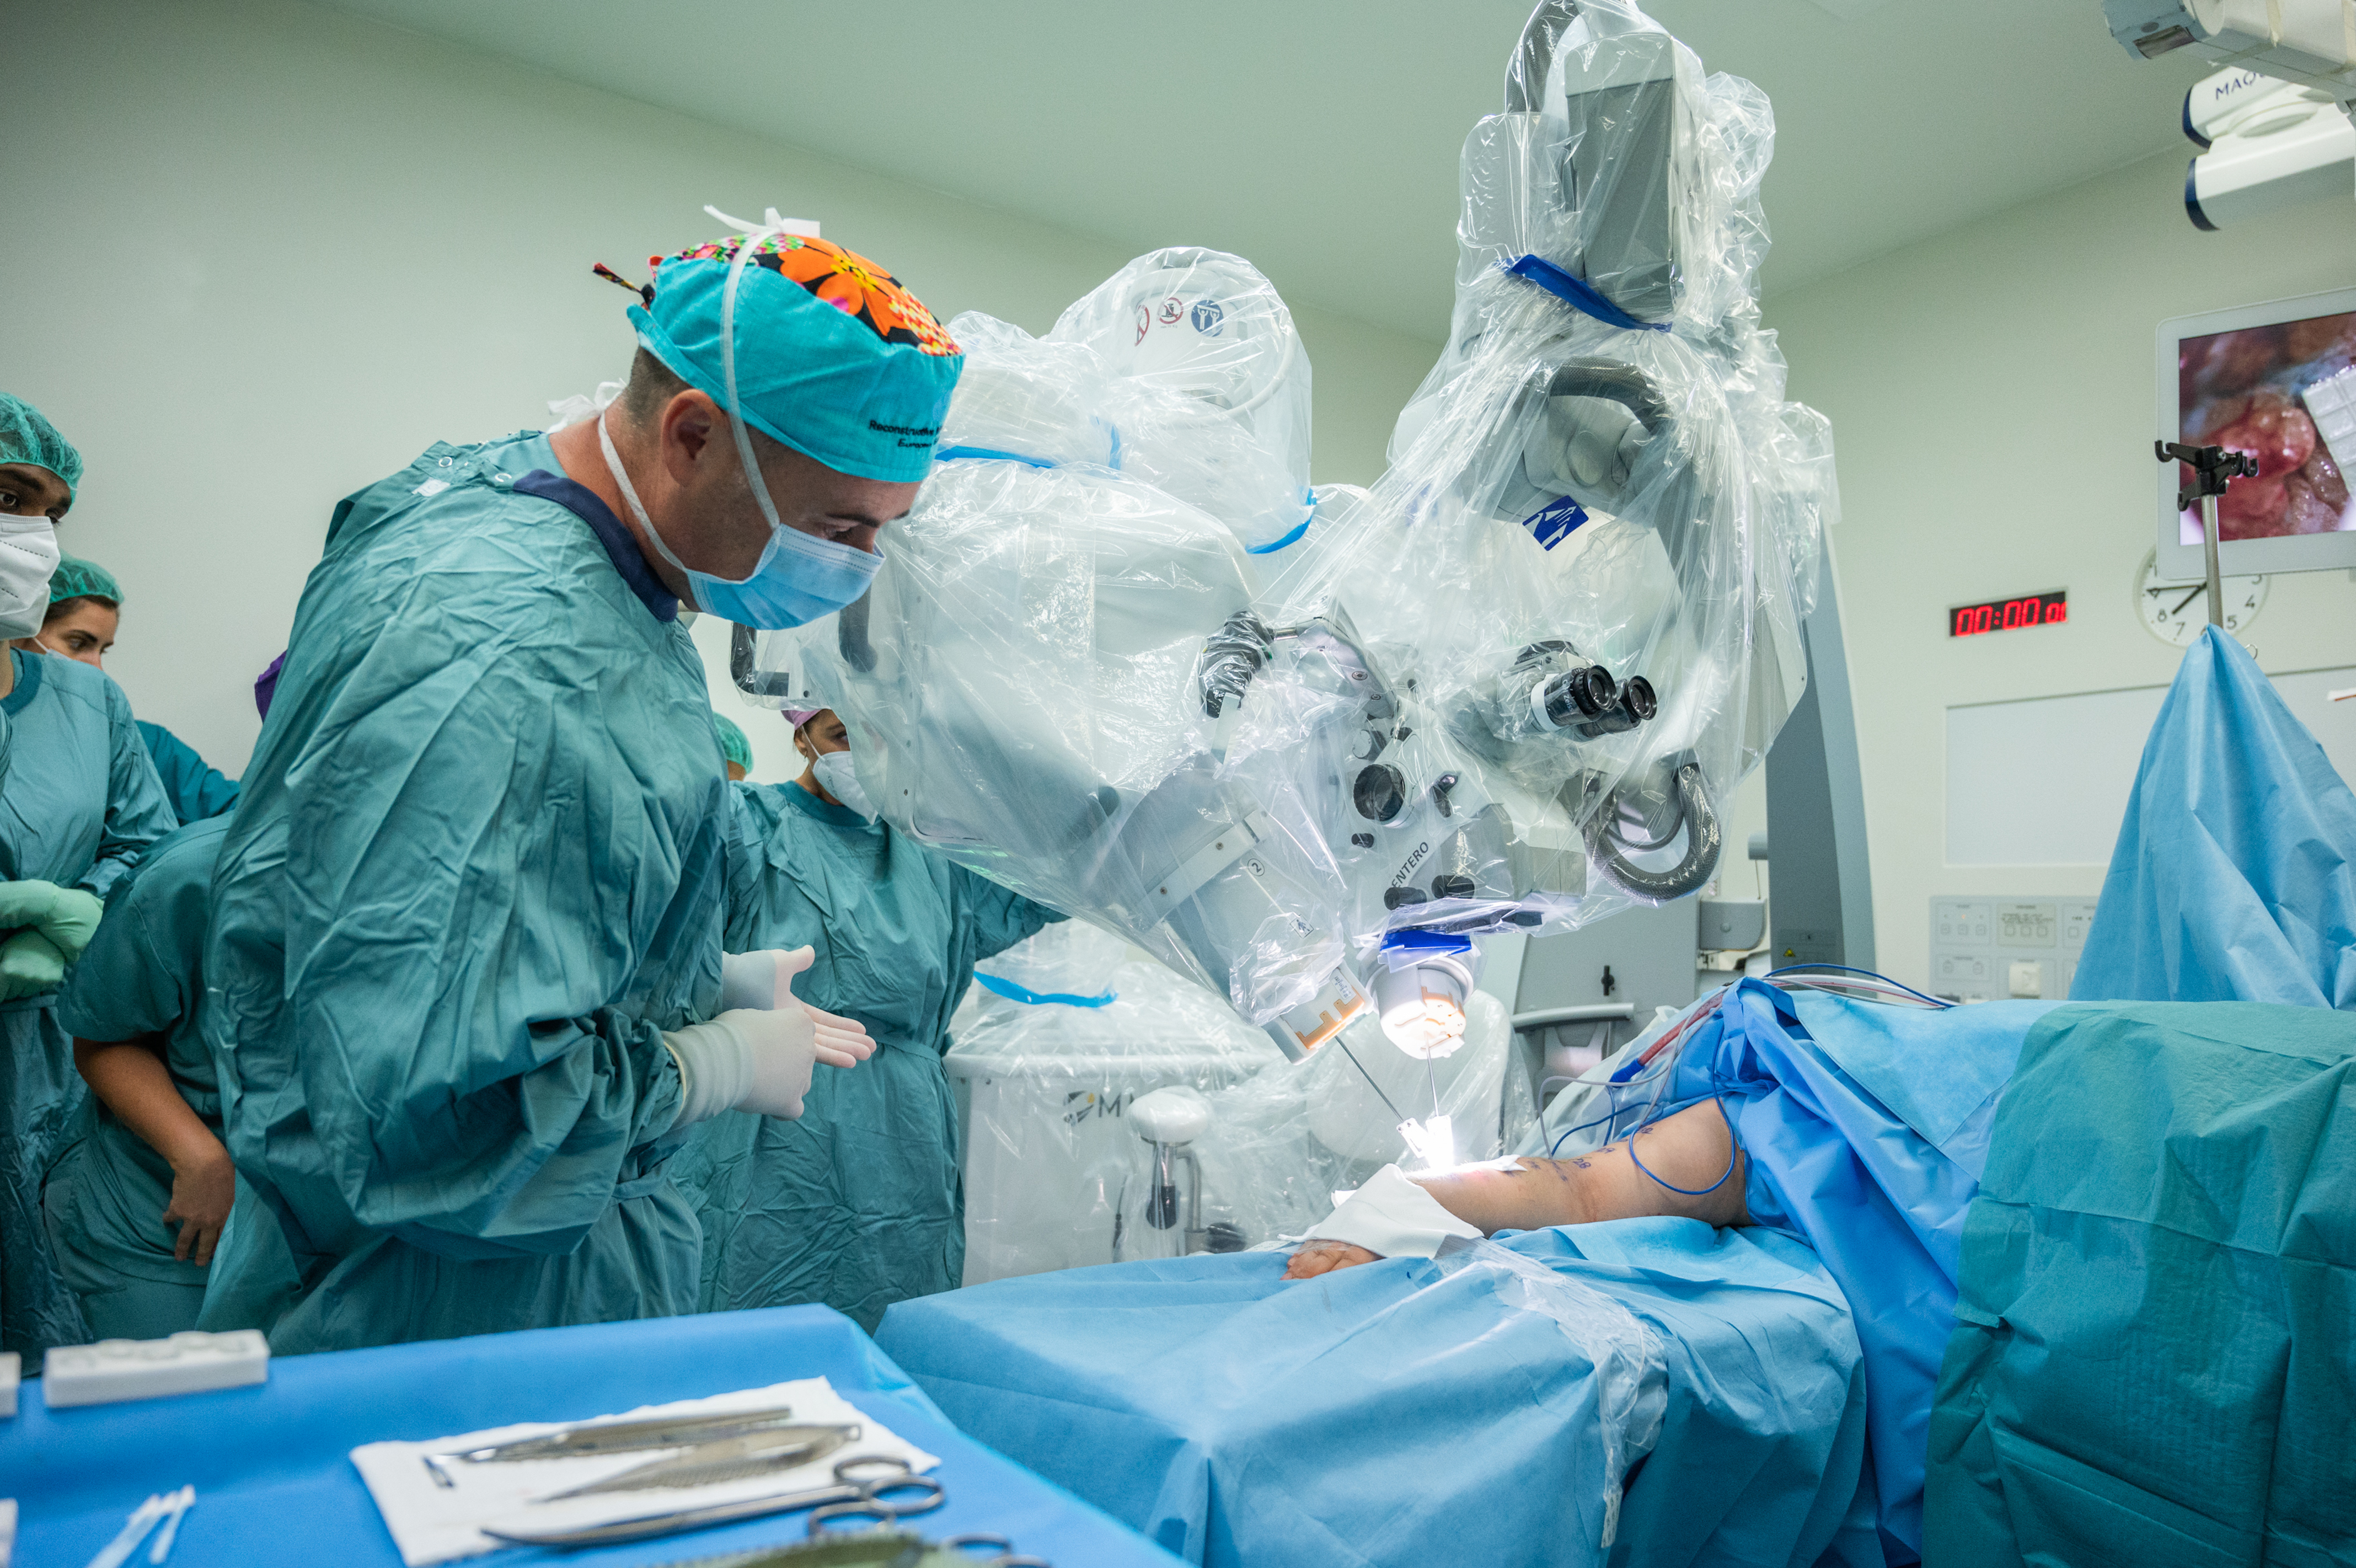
(1703, 839)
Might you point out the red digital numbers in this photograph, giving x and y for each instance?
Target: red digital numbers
(2009, 615)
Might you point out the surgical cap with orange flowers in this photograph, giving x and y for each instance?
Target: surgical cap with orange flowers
(833, 357)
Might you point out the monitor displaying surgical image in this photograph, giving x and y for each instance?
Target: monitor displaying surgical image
(2285, 394)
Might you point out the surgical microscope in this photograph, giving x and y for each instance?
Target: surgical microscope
(1508, 689)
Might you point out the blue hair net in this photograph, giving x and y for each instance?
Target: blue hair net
(28, 436)
(733, 744)
(76, 578)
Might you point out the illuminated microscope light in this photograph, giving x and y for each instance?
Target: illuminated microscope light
(1432, 1141)
(1422, 1004)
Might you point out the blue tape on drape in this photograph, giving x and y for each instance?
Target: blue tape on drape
(1401, 949)
(1024, 994)
(1292, 538)
(1579, 294)
(991, 455)
(988, 453)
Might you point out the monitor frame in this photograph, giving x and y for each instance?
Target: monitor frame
(2182, 563)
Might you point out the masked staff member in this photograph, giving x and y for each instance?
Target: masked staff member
(79, 804)
(859, 1204)
(84, 615)
(468, 917)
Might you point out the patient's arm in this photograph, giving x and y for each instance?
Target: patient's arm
(1691, 1150)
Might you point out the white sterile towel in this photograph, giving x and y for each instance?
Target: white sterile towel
(2332, 402)
(434, 1524)
(1392, 1216)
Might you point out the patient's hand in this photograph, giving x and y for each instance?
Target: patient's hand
(1316, 1258)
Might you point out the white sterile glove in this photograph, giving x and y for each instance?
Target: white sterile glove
(765, 980)
(748, 980)
(1392, 1216)
(748, 1059)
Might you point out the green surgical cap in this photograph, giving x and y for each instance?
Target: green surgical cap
(28, 436)
(76, 579)
(733, 744)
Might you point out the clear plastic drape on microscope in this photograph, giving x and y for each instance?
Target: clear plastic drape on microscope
(1510, 686)
(1060, 1173)
(1055, 1176)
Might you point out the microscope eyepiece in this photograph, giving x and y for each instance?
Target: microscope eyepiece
(1584, 693)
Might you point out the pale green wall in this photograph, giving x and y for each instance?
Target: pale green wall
(1992, 406)
(263, 253)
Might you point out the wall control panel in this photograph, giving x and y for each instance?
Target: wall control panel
(1986, 950)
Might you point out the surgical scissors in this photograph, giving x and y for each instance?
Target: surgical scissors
(872, 1497)
(960, 1547)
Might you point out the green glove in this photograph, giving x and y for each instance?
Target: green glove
(26, 903)
(67, 916)
(30, 964)
(72, 922)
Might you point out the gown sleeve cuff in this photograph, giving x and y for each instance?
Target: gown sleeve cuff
(716, 1070)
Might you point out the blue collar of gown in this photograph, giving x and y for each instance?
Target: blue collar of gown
(629, 560)
(29, 682)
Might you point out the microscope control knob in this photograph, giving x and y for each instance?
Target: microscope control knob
(1380, 792)
(1175, 1114)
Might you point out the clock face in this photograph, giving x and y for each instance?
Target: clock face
(2175, 612)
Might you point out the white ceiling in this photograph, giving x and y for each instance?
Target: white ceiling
(1318, 138)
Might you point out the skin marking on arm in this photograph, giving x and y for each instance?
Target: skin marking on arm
(1694, 1149)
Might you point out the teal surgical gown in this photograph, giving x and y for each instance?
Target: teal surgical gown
(198, 790)
(859, 1203)
(80, 804)
(142, 976)
(473, 875)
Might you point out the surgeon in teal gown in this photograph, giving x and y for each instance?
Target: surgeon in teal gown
(80, 804)
(473, 876)
(468, 917)
(121, 1203)
(860, 1203)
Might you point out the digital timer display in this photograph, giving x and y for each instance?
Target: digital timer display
(2009, 615)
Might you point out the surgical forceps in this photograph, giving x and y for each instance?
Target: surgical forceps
(872, 1499)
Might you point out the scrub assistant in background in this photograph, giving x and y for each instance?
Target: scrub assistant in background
(83, 805)
(857, 1203)
(30, 506)
(84, 617)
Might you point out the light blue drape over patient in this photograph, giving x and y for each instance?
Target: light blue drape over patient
(1866, 1126)
(1340, 1419)
(1413, 1411)
(2234, 876)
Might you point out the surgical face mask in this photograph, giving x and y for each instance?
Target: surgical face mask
(800, 577)
(837, 778)
(29, 555)
(797, 579)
